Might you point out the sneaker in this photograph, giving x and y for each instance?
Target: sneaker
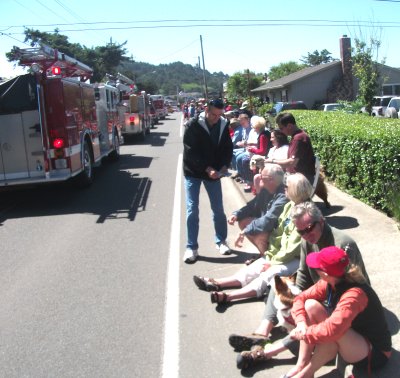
(190, 256)
(223, 248)
(246, 342)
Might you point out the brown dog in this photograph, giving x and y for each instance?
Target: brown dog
(285, 292)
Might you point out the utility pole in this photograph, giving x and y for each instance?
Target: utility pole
(204, 71)
(249, 91)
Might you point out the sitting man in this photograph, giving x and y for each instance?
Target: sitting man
(260, 215)
(316, 234)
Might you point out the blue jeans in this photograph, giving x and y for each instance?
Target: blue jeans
(214, 191)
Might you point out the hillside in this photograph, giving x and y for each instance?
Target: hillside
(170, 79)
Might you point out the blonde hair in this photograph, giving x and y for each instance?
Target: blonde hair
(299, 188)
(258, 122)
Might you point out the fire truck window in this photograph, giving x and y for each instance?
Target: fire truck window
(72, 101)
(88, 104)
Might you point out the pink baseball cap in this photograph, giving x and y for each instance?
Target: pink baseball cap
(331, 260)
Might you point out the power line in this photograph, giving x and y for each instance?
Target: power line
(369, 25)
(249, 22)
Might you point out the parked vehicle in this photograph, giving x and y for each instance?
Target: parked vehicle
(52, 128)
(393, 108)
(331, 107)
(283, 106)
(379, 105)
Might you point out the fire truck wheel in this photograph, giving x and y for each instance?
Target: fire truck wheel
(85, 178)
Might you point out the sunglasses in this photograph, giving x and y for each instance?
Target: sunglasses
(308, 229)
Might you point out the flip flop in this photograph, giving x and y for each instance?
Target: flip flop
(206, 284)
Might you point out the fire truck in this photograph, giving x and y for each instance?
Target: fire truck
(159, 104)
(52, 128)
(134, 108)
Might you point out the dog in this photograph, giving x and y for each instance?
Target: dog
(257, 162)
(285, 292)
(321, 191)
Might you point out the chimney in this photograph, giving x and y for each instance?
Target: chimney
(345, 56)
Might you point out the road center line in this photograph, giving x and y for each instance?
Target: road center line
(170, 361)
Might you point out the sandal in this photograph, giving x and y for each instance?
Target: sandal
(218, 297)
(249, 358)
(206, 284)
(246, 342)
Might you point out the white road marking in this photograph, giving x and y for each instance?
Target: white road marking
(170, 361)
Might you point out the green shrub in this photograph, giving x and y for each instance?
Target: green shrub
(360, 154)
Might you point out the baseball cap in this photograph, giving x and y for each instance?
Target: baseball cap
(331, 260)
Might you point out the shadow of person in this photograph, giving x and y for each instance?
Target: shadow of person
(392, 321)
(342, 222)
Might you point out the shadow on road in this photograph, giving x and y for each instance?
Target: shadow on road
(116, 193)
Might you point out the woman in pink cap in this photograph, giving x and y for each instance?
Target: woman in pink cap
(341, 314)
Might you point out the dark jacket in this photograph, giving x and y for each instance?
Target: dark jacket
(266, 208)
(307, 276)
(199, 152)
(371, 322)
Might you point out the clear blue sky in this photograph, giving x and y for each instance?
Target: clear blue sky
(237, 35)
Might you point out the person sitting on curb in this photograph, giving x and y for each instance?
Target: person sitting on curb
(340, 314)
(300, 156)
(316, 234)
(259, 216)
(279, 150)
(281, 257)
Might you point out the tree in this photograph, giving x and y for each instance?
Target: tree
(284, 69)
(102, 59)
(316, 58)
(365, 69)
(241, 83)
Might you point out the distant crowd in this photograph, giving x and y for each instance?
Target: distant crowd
(311, 275)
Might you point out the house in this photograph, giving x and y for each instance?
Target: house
(327, 82)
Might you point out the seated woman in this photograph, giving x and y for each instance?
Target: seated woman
(341, 314)
(261, 148)
(281, 257)
(279, 150)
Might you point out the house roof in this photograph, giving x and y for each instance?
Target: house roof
(283, 81)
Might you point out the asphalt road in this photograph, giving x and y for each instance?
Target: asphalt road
(92, 282)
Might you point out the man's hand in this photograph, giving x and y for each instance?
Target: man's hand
(212, 173)
(232, 219)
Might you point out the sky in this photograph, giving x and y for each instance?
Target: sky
(236, 35)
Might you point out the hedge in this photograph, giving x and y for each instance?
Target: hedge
(359, 153)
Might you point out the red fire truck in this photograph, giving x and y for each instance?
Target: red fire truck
(51, 126)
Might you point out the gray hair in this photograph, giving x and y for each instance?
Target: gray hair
(275, 171)
(258, 122)
(309, 208)
(299, 188)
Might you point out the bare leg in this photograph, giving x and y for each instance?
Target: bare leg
(259, 240)
(242, 293)
(264, 328)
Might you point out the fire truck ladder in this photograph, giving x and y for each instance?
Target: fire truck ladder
(44, 57)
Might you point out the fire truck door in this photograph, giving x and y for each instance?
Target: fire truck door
(21, 146)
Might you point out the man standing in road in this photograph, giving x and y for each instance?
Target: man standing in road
(206, 157)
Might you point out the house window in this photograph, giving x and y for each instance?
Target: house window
(284, 95)
(391, 89)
